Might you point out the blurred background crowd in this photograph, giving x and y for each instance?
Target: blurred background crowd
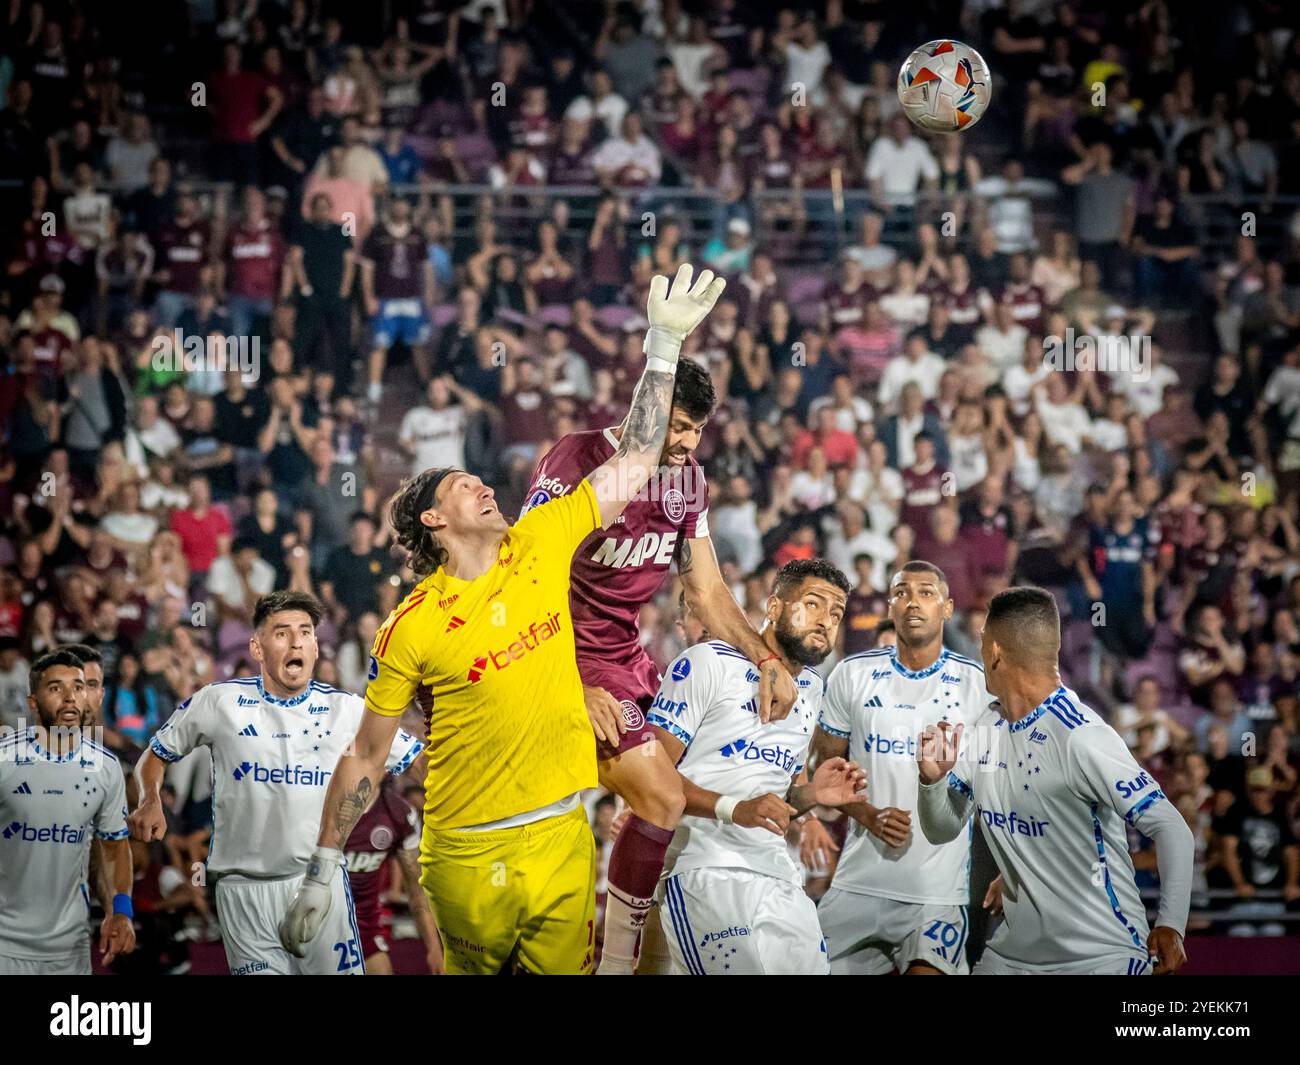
(263, 259)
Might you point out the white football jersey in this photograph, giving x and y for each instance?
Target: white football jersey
(882, 709)
(1053, 792)
(708, 699)
(50, 809)
(272, 760)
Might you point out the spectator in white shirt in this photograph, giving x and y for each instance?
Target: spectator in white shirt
(433, 434)
(878, 487)
(88, 212)
(875, 257)
(238, 579)
(1065, 421)
(152, 437)
(899, 165)
(903, 304)
(631, 158)
(1018, 382)
(604, 104)
(1003, 339)
(918, 365)
(1145, 391)
(735, 523)
(806, 57)
(814, 487)
(694, 58)
(850, 410)
(1010, 211)
(847, 536)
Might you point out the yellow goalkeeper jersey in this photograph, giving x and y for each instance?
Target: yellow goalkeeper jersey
(492, 662)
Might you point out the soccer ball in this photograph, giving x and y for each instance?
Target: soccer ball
(944, 86)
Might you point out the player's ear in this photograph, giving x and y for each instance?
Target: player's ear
(947, 609)
(255, 648)
(775, 605)
(431, 519)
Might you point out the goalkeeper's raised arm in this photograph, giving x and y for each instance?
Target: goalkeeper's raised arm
(674, 313)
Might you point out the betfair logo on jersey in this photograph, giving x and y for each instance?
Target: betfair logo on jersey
(749, 751)
(1014, 824)
(630, 551)
(1127, 788)
(726, 933)
(879, 743)
(22, 832)
(668, 706)
(534, 637)
(297, 776)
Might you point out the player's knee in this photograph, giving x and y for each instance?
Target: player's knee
(663, 805)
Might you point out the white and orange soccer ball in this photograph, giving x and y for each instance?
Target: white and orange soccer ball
(944, 86)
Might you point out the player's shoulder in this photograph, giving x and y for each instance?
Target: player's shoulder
(1065, 711)
(233, 691)
(576, 454)
(100, 755)
(335, 696)
(711, 656)
(965, 667)
(399, 627)
(876, 663)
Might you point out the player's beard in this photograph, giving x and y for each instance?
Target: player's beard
(794, 647)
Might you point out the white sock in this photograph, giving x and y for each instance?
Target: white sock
(624, 919)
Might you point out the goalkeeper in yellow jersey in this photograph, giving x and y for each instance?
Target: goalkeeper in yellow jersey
(485, 642)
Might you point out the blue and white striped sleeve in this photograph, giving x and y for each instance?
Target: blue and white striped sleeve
(190, 726)
(836, 716)
(686, 692)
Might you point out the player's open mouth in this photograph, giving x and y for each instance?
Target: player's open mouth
(293, 663)
(491, 508)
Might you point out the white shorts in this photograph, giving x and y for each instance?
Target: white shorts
(77, 964)
(250, 912)
(1127, 964)
(870, 936)
(729, 922)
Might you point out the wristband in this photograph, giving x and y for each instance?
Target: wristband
(122, 905)
(324, 861)
(724, 808)
(661, 344)
(773, 657)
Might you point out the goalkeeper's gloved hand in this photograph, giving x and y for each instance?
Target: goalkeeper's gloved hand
(311, 904)
(673, 315)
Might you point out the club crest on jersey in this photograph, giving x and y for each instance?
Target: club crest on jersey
(682, 669)
(372, 671)
(381, 837)
(674, 504)
(535, 500)
(632, 715)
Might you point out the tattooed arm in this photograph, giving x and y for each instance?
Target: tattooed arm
(356, 780)
(673, 315)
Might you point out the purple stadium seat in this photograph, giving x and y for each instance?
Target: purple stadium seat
(443, 315)
(804, 291)
(615, 316)
(555, 314)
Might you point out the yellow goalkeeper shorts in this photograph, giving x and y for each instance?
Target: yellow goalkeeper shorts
(514, 899)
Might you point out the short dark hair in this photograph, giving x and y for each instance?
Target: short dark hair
(919, 565)
(693, 390)
(48, 661)
(277, 602)
(792, 575)
(84, 652)
(1032, 615)
(885, 626)
(413, 497)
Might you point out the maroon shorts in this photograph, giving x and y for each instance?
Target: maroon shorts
(635, 687)
(372, 938)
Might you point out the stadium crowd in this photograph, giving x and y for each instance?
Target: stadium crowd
(278, 185)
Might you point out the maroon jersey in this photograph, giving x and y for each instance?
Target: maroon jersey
(253, 258)
(1026, 302)
(182, 251)
(847, 308)
(963, 307)
(390, 825)
(922, 492)
(398, 263)
(618, 570)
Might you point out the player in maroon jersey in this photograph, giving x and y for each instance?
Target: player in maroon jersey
(389, 828)
(616, 571)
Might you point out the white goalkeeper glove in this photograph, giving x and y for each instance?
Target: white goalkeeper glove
(673, 315)
(311, 904)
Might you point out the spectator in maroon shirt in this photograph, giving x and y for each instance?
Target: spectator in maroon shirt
(923, 485)
(524, 411)
(181, 260)
(940, 544)
(1211, 653)
(986, 529)
(243, 104)
(254, 256)
(204, 530)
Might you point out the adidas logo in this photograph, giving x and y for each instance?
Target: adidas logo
(248, 730)
(751, 707)
(874, 701)
(454, 623)
(23, 789)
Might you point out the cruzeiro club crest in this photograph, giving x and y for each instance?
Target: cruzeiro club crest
(674, 504)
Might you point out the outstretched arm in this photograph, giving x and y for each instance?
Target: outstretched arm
(711, 601)
(1175, 856)
(673, 315)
